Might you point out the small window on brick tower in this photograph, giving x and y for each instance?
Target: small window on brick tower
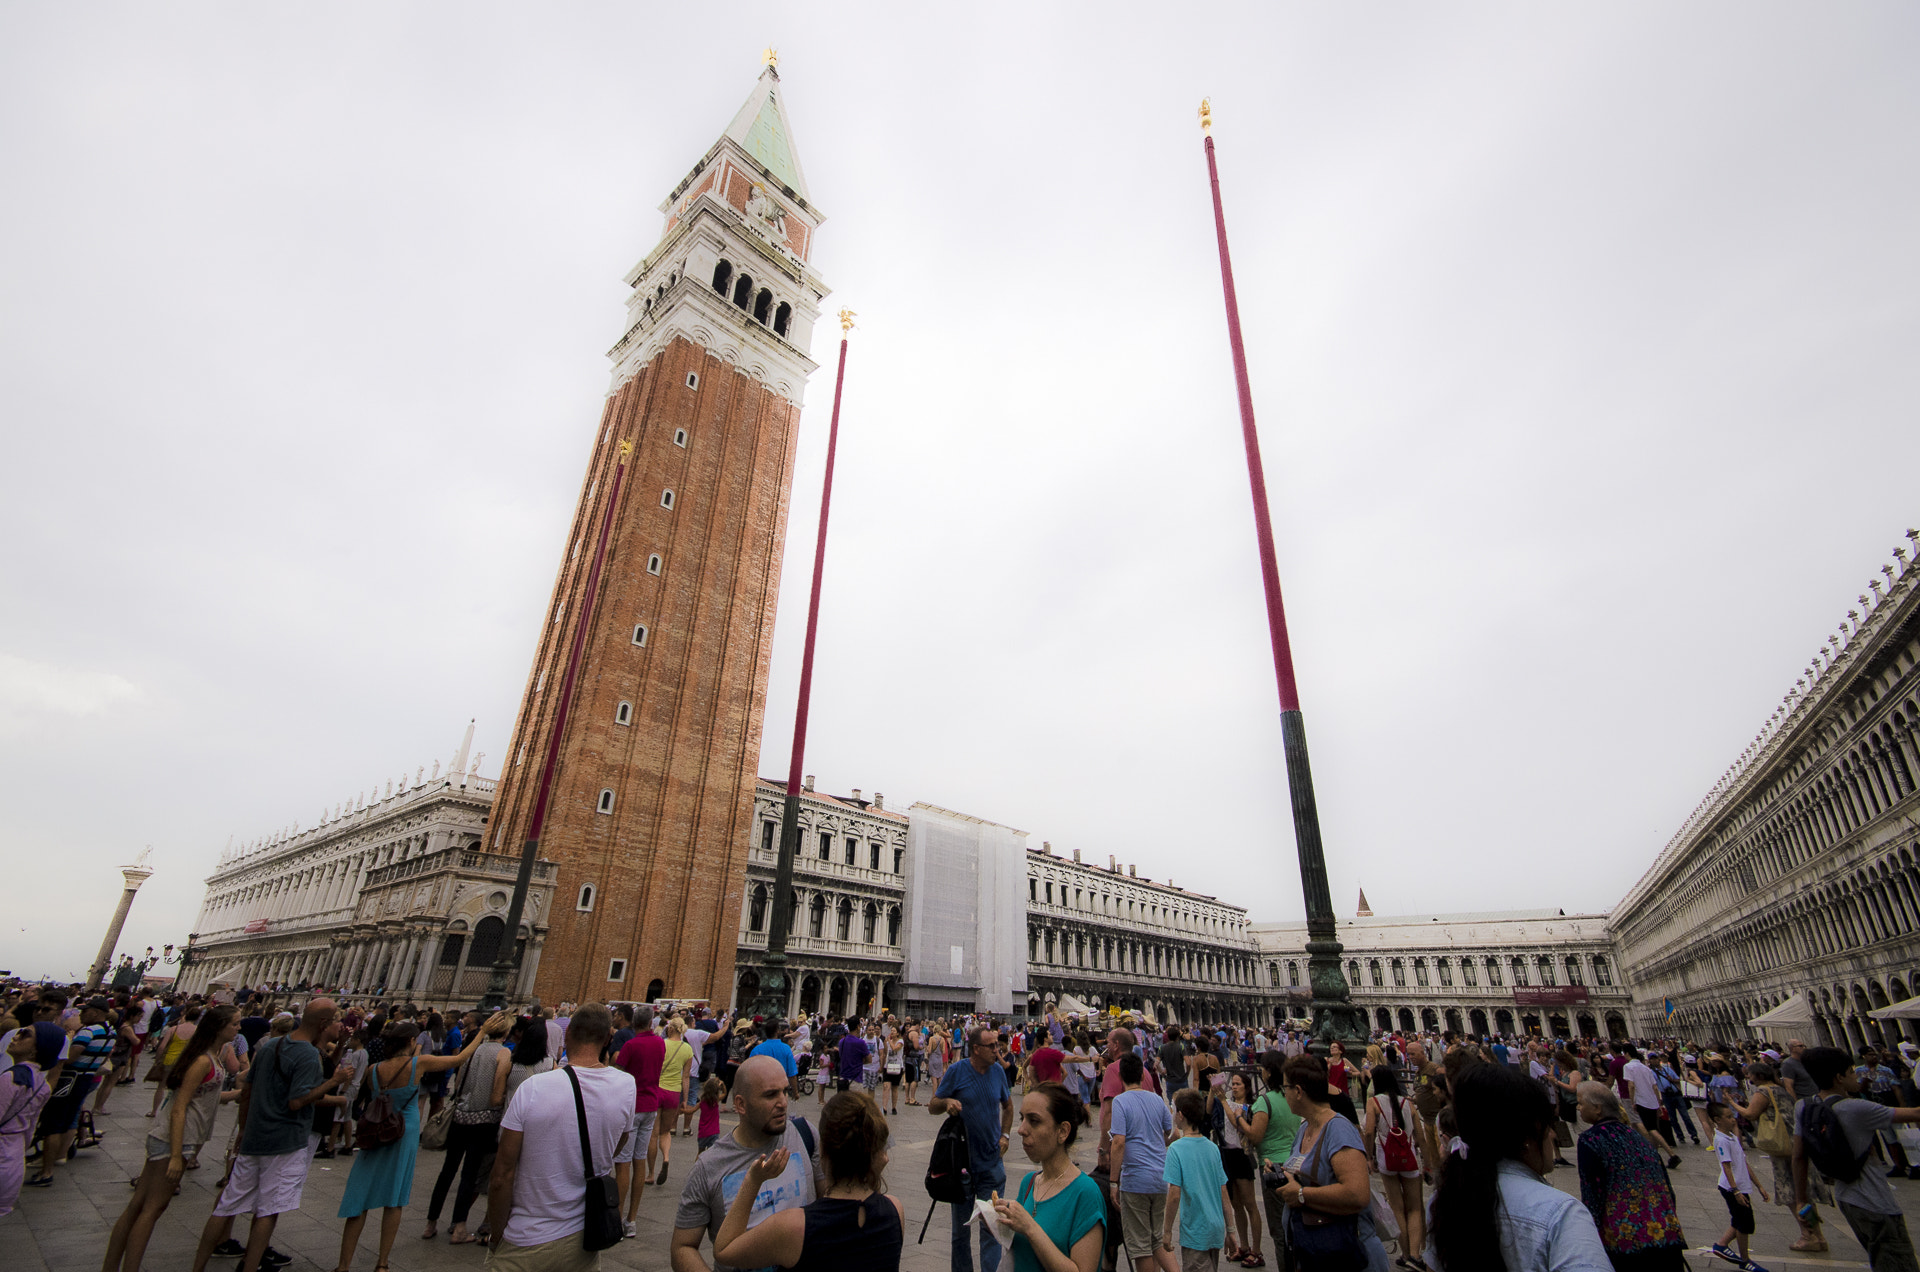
(617, 969)
(722, 275)
(693, 380)
(586, 897)
(679, 437)
(782, 318)
(623, 714)
(640, 634)
(653, 564)
(666, 499)
(606, 800)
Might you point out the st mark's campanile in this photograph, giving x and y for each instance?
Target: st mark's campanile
(653, 790)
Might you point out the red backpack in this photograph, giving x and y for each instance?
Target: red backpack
(1396, 1150)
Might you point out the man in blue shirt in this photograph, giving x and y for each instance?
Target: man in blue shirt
(1141, 1128)
(977, 1093)
(771, 1045)
(853, 1051)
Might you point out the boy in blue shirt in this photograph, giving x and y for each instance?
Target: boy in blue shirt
(1196, 1190)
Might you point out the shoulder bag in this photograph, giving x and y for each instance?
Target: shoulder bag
(1324, 1242)
(603, 1226)
(433, 1131)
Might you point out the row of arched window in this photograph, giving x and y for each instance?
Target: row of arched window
(1078, 949)
(841, 919)
(757, 301)
(1517, 966)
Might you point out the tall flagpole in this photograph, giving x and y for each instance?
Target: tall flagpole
(505, 965)
(1334, 1015)
(774, 990)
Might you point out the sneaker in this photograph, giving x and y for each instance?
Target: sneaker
(1673, 1161)
(229, 1249)
(630, 1231)
(1719, 1251)
(324, 1154)
(1561, 1161)
(274, 1259)
(39, 1181)
(1751, 1266)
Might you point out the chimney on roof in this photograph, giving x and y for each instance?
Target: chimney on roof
(1111, 864)
(856, 794)
(1076, 855)
(1133, 872)
(1046, 846)
(806, 783)
(880, 801)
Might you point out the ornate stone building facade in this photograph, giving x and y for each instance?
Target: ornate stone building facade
(1799, 873)
(844, 947)
(652, 800)
(1499, 972)
(1106, 937)
(374, 898)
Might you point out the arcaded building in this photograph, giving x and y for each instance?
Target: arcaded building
(1799, 873)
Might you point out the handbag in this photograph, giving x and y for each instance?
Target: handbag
(1324, 1242)
(603, 1227)
(380, 1124)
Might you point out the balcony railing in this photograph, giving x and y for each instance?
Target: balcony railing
(471, 861)
(825, 945)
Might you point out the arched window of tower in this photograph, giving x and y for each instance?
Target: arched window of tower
(743, 291)
(782, 318)
(763, 306)
(666, 499)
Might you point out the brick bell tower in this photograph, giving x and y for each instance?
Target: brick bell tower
(652, 795)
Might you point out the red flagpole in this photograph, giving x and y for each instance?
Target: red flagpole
(772, 998)
(499, 982)
(1334, 1015)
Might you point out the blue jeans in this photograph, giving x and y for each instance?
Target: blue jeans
(983, 1186)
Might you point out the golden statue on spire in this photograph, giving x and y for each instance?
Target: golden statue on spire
(1206, 114)
(846, 320)
(770, 58)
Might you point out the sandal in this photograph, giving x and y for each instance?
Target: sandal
(466, 1240)
(1254, 1260)
(433, 1230)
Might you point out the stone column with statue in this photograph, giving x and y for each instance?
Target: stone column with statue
(135, 875)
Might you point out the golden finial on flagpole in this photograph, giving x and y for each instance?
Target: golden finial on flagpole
(770, 58)
(1206, 114)
(846, 320)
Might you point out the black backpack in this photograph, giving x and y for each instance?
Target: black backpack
(1826, 1144)
(949, 1173)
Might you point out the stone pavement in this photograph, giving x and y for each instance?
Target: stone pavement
(64, 1228)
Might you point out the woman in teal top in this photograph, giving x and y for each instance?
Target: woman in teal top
(383, 1177)
(1058, 1216)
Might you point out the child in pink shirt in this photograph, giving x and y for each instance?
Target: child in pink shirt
(710, 1111)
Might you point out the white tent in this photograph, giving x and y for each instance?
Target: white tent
(1908, 1010)
(1791, 1014)
(1071, 1006)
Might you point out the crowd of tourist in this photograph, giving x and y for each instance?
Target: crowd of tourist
(1211, 1143)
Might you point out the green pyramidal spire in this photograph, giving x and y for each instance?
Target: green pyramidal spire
(762, 130)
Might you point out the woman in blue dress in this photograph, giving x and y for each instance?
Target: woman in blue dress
(383, 1177)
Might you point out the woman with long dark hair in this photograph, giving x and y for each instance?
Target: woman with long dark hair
(855, 1226)
(190, 1099)
(1058, 1215)
(1494, 1210)
(1392, 1136)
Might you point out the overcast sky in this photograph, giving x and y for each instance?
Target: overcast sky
(1582, 346)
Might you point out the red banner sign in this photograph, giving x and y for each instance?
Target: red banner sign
(256, 927)
(1549, 995)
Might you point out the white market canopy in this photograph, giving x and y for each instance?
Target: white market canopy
(1794, 1011)
(1908, 1010)
(1071, 1006)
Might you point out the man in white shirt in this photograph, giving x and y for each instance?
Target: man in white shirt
(535, 1204)
(1646, 1102)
